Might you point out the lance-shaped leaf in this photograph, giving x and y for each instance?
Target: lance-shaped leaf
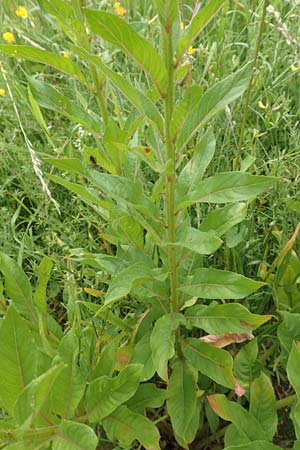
(48, 97)
(263, 405)
(147, 396)
(17, 287)
(106, 394)
(128, 426)
(34, 54)
(71, 165)
(200, 242)
(293, 376)
(213, 362)
(118, 32)
(199, 22)
(227, 187)
(219, 284)
(223, 219)
(212, 102)
(247, 425)
(35, 399)
(193, 171)
(40, 295)
(142, 354)
(162, 342)
(225, 318)
(134, 275)
(139, 100)
(255, 445)
(181, 402)
(168, 12)
(246, 366)
(74, 436)
(289, 330)
(18, 356)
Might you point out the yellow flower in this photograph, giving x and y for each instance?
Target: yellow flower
(8, 37)
(117, 5)
(22, 12)
(191, 50)
(294, 68)
(66, 54)
(119, 9)
(2, 92)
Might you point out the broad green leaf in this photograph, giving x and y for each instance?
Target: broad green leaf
(139, 100)
(223, 219)
(255, 445)
(106, 362)
(219, 284)
(162, 342)
(34, 54)
(181, 402)
(213, 362)
(293, 376)
(263, 405)
(142, 354)
(199, 22)
(70, 384)
(168, 12)
(134, 275)
(71, 165)
(288, 330)
(147, 396)
(296, 445)
(17, 287)
(74, 436)
(105, 394)
(118, 32)
(225, 318)
(247, 425)
(212, 102)
(128, 426)
(227, 187)
(193, 171)
(200, 242)
(35, 398)
(40, 295)
(246, 367)
(48, 97)
(18, 356)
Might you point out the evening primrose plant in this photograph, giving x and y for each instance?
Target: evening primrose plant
(150, 349)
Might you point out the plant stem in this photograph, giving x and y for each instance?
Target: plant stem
(247, 98)
(171, 164)
(286, 401)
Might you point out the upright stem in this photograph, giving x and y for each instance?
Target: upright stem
(171, 173)
(247, 98)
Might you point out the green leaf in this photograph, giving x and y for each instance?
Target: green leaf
(147, 396)
(18, 356)
(263, 405)
(225, 318)
(199, 22)
(139, 100)
(34, 54)
(105, 394)
(48, 97)
(70, 383)
(200, 242)
(213, 362)
(118, 32)
(128, 426)
(106, 363)
(181, 402)
(17, 287)
(223, 219)
(255, 445)
(162, 342)
(37, 112)
(247, 425)
(71, 165)
(43, 272)
(168, 12)
(35, 398)
(219, 284)
(132, 276)
(246, 366)
(289, 330)
(142, 354)
(74, 436)
(212, 102)
(227, 187)
(193, 171)
(293, 376)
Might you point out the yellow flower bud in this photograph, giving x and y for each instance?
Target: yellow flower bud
(191, 50)
(22, 12)
(8, 37)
